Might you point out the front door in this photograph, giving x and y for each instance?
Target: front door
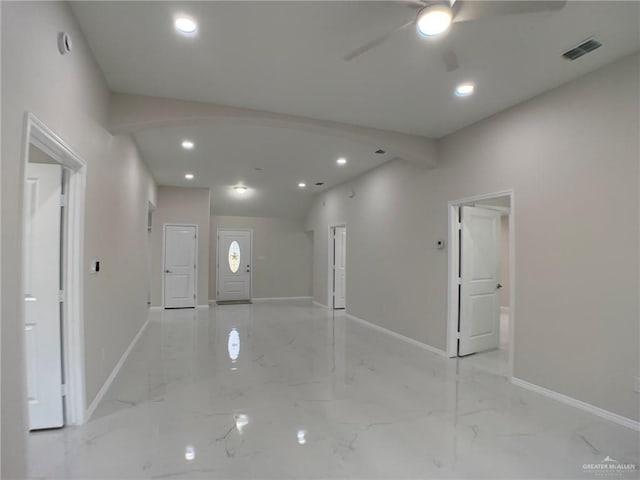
(234, 265)
(180, 267)
(480, 284)
(42, 295)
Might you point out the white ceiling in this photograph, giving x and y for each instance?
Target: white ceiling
(227, 154)
(287, 57)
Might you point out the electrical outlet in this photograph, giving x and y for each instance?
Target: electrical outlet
(636, 384)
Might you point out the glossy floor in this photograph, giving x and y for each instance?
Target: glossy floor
(285, 390)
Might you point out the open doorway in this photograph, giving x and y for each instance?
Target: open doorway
(480, 323)
(52, 226)
(338, 267)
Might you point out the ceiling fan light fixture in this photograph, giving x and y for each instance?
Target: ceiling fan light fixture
(434, 20)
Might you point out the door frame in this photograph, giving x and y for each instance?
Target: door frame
(453, 267)
(231, 229)
(73, 363)
(164, 258)
(330, 276)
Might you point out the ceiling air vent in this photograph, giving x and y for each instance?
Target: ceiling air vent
(582, 49)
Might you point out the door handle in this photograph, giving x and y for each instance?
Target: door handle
(498, 287)
(168, 271)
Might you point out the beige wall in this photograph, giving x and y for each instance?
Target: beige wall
(571, 156)
(282, 253)
(69, 95)
(181, 205)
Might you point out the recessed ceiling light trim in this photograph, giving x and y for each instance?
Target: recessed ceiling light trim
(188, 144)
(302, 185)
(464, 89)
(341, 161)
(189, 176)
(185, 25)
(240, 189)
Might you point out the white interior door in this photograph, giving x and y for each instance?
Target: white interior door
(234, 265)
(480, 287)
(42, 244)
(180, 267)
(340, 267)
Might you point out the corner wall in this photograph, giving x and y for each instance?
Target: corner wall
(571, 156)
(282, 254)
(181, 205)
(70, 96)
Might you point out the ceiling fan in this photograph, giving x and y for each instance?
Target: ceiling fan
(434, 18)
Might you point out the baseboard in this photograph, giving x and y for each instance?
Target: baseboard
(155, 309)
(318, 304)
(587, 407)
(271, 299)
(399, 336)
(202, 307)
(504, 310)
(114, 373)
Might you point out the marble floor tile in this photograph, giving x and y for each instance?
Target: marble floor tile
(288, 390)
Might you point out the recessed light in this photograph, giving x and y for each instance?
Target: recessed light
(186, 25)
(464, 90)
(240, 189)
(319, 184)
(188, 144)
(341, 161)
(380, 152)
(302, 185)
(189, 176)
(434, 20)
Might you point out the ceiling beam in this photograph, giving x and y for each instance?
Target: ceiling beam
(134, 113)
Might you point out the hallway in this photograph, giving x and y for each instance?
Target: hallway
(299, 393)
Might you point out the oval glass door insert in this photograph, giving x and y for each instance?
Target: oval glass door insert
(234, 256)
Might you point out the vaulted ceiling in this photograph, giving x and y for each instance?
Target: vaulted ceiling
(287, 57)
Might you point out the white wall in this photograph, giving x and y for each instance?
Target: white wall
(69, 95)
(181, 205)
(282, 254)
(571, 156)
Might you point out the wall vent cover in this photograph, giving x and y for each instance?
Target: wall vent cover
(585, 47)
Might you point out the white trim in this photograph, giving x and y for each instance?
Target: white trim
(272, 299)
(587, 407)
(230, 229)
(399, 336)
(452, 294)
(164, 267)
(156, 308)
(318, 304)
(38, 134)
(504, 310)
(202, 307)
(114, 372)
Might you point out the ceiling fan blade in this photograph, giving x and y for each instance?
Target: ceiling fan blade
(375, 42)
(449, 58)
(468, 10)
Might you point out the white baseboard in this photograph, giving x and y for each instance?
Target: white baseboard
(114, 372)
(270, 299)
(504, 310)
(600, 412)
(399, 336)
(155, 309)
(318, 304)
(202, 307)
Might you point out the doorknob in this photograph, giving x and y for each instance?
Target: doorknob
(168, 271)
(499, 286)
